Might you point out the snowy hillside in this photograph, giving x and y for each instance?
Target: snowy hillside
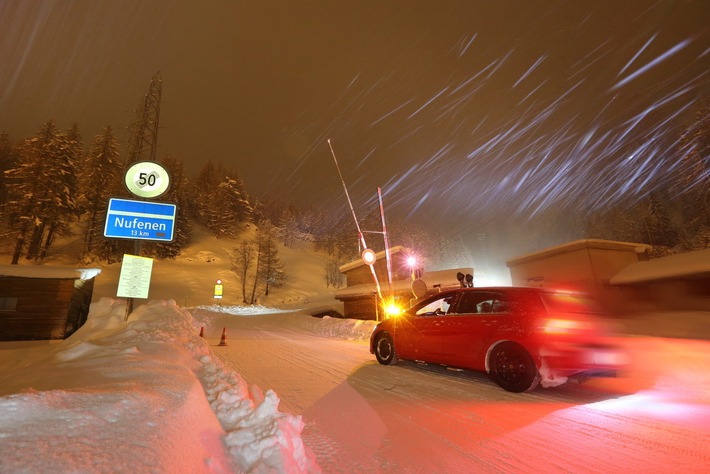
(189, 279)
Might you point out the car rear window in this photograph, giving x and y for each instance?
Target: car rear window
(569, 303)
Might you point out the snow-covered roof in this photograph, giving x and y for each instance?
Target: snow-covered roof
(440, 278)
(673, 266)
(380, 255)
(47, 271)
(580, 244)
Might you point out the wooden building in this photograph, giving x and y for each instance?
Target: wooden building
(583, 265)
(42, 302)
(359, 297)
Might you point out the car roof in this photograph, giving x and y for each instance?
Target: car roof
(505, 289)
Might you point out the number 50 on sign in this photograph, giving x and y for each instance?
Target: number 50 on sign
(147, 179)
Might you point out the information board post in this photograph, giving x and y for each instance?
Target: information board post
(140, 220)
(129, 301)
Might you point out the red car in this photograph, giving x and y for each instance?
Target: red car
(521, 337)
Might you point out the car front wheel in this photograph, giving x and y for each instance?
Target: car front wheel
(512, 368)
(384, 350)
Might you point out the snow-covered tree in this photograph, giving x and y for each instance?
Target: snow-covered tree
(220, 200)
(657, 225)
(178, 195)
(233, 209)
(694, 179)
(289, 226)
(271, 269)
(101, 171)
(7, 161)
(42, 190)
(333, 277)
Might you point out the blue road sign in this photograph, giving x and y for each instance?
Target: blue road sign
(126, 219)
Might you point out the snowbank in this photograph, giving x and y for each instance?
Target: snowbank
(139, 396)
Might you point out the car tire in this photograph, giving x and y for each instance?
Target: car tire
(384, 350)
(512, 368)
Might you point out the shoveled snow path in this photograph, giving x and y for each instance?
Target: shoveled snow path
(363, 417)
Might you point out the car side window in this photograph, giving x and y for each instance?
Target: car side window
(437, 307)
(499, 305)
(468, 304)
(480, 302)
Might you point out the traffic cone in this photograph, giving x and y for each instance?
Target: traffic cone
(202, 331)
(223, 341)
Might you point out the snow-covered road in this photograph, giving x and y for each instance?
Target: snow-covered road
(363, 417)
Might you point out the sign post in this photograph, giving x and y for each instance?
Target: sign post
(140, 220)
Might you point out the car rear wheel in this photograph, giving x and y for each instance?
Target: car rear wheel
(384, 350)
(512, 368)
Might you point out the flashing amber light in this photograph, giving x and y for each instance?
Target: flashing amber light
(392, 309)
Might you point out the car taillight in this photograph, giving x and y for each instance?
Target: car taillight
(564, 326)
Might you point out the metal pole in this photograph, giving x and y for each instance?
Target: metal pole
(357, 224)
(387, 244)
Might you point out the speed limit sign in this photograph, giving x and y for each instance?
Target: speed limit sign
(147, 179)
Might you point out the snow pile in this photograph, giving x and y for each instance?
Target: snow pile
(130, 397)
(242, 310)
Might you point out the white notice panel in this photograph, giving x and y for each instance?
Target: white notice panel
(135, 277)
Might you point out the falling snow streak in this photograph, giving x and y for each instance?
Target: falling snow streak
(428, 102)
(459, 110)
(550, 155)
(653, 63)
(530, 70)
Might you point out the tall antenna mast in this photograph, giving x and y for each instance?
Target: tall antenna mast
(144, 131)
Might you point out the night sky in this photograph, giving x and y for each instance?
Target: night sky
(461, 111)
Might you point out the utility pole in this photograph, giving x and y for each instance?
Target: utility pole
(143, 144)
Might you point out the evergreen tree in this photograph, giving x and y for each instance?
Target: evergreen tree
(333, 277)
(41, 191)
(7, 161)
(67, 192)
(204, 189)
(221, 201)
(694, 179)
(657, 225)
(289, 226)
(178, 195)
(337, 237)
(101, 170)
(271, 268)
(234, 208)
